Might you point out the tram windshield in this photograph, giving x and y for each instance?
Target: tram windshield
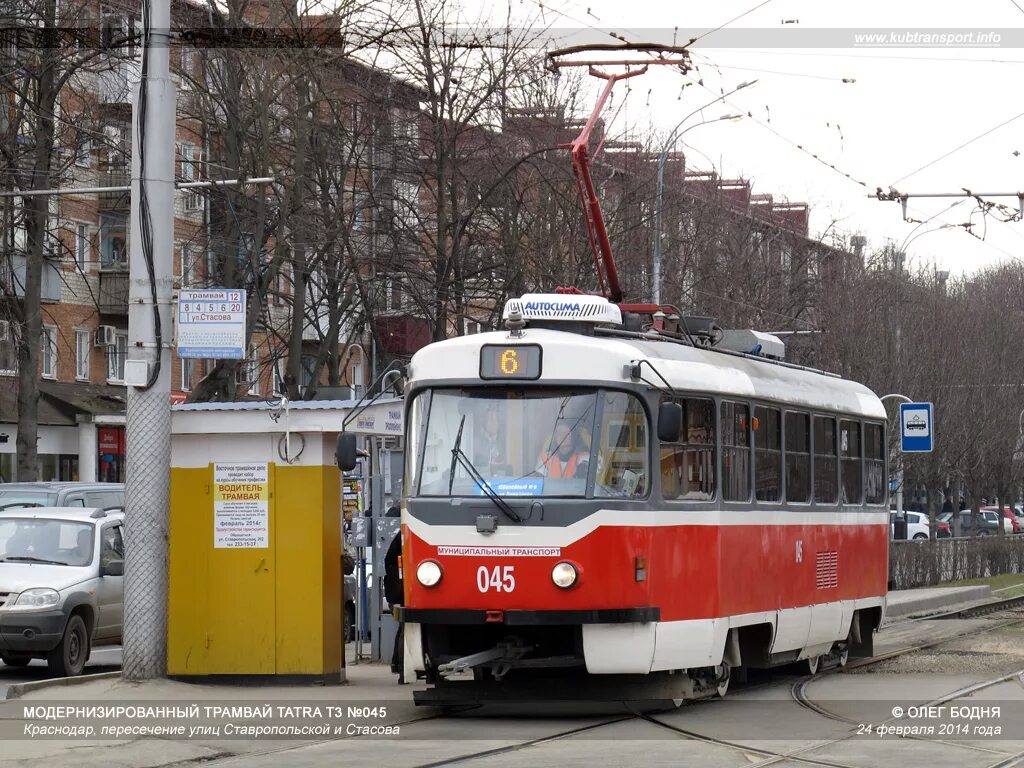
(528, 442)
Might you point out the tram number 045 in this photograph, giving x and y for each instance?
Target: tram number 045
(500, 578)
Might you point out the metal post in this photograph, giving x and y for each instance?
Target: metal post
(149, 419)
(674, 136)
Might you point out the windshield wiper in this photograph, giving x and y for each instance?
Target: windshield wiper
(459, 456)
(28, 559)
(485, 487)
(455, 455)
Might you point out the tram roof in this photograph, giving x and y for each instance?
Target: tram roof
(602, 359)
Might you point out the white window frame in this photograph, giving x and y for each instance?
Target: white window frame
(188, 168)
(83, 353)
(83, 245)
(7, 328)
(116, 356)
(83, 154)
(188, 68)
(277, 366)
(187, 370)
(48, 352)
(252, 370)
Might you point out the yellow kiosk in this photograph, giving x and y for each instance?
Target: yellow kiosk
(255, 537)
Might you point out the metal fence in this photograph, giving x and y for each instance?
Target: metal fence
(923, 563)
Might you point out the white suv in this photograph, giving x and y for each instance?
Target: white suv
(61, 585)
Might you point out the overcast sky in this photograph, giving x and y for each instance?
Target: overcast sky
(907, 108)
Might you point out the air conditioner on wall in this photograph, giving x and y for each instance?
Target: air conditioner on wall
(106, 336)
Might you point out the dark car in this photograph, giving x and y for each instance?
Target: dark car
(988, 522)
(61, 494)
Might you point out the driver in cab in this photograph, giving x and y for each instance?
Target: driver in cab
(566, 456)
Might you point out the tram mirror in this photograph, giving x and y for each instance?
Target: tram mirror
(345, 452)
(670, 421)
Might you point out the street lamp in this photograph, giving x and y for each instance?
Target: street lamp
(674, 136)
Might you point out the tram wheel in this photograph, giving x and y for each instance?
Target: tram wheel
(811, 665)
(724, 673)
(844, 655)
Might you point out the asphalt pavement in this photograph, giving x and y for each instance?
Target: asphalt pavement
(106, 658)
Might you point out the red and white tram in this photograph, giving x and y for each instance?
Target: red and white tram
(622, 514)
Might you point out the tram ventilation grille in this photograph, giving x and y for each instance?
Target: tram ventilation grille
(827, 570)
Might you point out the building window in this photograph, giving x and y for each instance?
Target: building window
(113, 239)
(8, 349)
(213, 269)
(407, 201)
(116, 356)
(82, 246)
(247, 374)
(83, 154)
(186, 266)
(188, 167)
(188, 67)
(49, 352)
(277, 375)
(83, 349)
(186, 374)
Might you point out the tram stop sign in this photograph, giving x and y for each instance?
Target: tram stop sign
(916, 427)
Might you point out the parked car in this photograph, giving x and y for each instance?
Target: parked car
(988, 522)
(918, 526)
(61, 494)
(1010, 524)
(61, 585)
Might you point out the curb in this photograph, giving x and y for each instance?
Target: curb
(935, 601)
(20, 689)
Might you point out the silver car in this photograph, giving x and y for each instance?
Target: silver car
(61, 585)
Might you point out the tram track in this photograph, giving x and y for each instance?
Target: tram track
(799, 694)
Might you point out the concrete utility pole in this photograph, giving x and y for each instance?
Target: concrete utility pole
(148, 362)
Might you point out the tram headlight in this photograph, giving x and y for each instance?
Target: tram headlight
(564, 575)
(428, 573)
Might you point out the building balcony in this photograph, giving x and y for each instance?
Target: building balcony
(113, 298)
(115, 177)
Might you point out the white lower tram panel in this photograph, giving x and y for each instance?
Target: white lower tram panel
(664, 645)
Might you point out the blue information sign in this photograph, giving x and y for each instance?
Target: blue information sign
(521, 486)
(917, 428)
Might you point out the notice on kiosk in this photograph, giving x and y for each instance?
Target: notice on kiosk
(241, 515)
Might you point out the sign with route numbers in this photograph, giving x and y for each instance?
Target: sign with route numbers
(916, 427)
(211, 324)
(241, 506)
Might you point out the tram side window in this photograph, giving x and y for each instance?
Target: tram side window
(850, 462)
(735, 452)
(622, 469)
(874, 464)
(825, 469)
(798, 457)
(688, 466)
(767, 454)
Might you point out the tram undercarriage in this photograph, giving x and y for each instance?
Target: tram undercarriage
(467, 665)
